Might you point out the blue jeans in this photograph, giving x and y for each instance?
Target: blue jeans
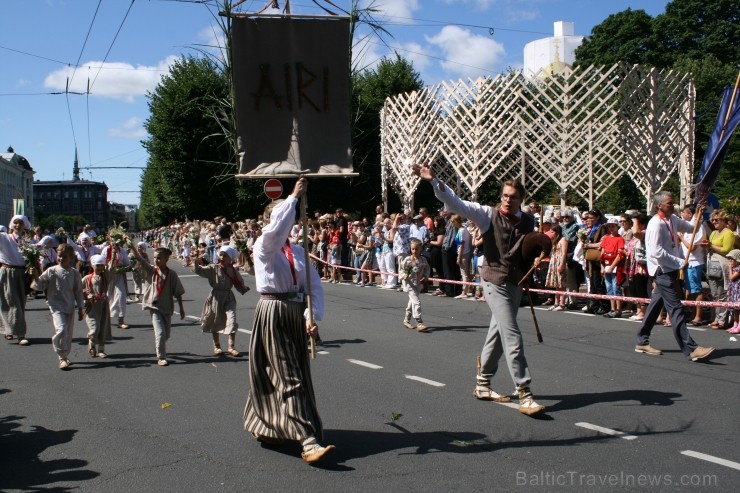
(612, 288)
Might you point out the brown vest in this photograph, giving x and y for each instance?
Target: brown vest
(502, 248)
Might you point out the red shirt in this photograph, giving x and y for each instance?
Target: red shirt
(612, 246)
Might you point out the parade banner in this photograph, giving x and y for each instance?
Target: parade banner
(291, 79)
(19, 207)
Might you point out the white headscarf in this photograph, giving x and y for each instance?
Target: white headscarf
(26, 222)
(97, 260)
(230, 251)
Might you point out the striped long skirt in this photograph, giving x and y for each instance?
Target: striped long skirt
(13, 300)
(281, 401)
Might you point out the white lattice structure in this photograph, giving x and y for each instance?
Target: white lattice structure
(582, 129)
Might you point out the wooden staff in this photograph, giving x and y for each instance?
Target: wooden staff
(307, 260)
(529, 297)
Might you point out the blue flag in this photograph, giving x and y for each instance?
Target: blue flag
(727, 121)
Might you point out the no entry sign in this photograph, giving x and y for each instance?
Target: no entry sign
(273, 188)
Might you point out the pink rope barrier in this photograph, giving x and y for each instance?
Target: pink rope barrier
(574, 294)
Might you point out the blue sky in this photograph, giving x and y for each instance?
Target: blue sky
(122, 48)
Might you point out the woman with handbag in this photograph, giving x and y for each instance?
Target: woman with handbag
(719, 244)
(592, 253)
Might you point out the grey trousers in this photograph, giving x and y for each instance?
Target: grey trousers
(161, 324)
(504, 336)
(665, 294)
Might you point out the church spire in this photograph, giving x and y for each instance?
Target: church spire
(76, 169)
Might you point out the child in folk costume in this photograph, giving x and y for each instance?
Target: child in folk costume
(137, 271)
(219, 310)
(97, 311)
(116, 257)
(13, 280)
(414, 273)
(84, 252)
(163, 287)
(63, 291)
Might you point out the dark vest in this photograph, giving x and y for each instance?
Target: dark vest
(502, 248)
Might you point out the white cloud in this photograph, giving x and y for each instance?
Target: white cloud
(415, 53)
(467, 54)
(393, 8)
(130, 129)
(113, 80)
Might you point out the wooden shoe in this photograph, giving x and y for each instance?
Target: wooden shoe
(163, 362)
(217, 351)
(232, 351)
(421, 327)
(64, 364)
(407, 324)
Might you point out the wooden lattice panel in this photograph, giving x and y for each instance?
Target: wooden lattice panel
(583, 129)
(656, 132)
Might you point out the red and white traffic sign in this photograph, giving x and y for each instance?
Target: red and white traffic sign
(273, 188)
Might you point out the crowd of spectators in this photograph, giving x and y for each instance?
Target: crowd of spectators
(591, 253)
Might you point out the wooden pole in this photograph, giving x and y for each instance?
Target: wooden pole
(307, 268)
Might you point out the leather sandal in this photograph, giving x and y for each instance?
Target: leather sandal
(233, 352)
(487, 394)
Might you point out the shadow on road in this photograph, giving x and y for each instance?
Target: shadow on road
(20, 465)
(625, 397)
(137, 360)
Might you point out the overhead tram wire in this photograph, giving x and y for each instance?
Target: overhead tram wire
(415, 22)
(128, 11)
(84, 43)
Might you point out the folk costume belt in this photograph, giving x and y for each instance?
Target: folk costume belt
(294, 297)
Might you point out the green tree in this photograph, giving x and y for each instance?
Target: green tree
(370, 88)
(621, 196)
(700, 37)
(188, 152)
(622, 37)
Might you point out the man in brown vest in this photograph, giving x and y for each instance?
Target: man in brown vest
(503, 229)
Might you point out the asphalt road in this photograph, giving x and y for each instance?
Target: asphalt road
(396, 403)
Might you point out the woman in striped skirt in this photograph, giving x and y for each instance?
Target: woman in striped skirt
(281, 404)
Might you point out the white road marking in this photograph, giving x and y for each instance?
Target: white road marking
(607, 431)
(711, 458)
(192, 317)
(365, 364)
(188, 275)
(425, 380)
(322, 352)
(246, 331)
